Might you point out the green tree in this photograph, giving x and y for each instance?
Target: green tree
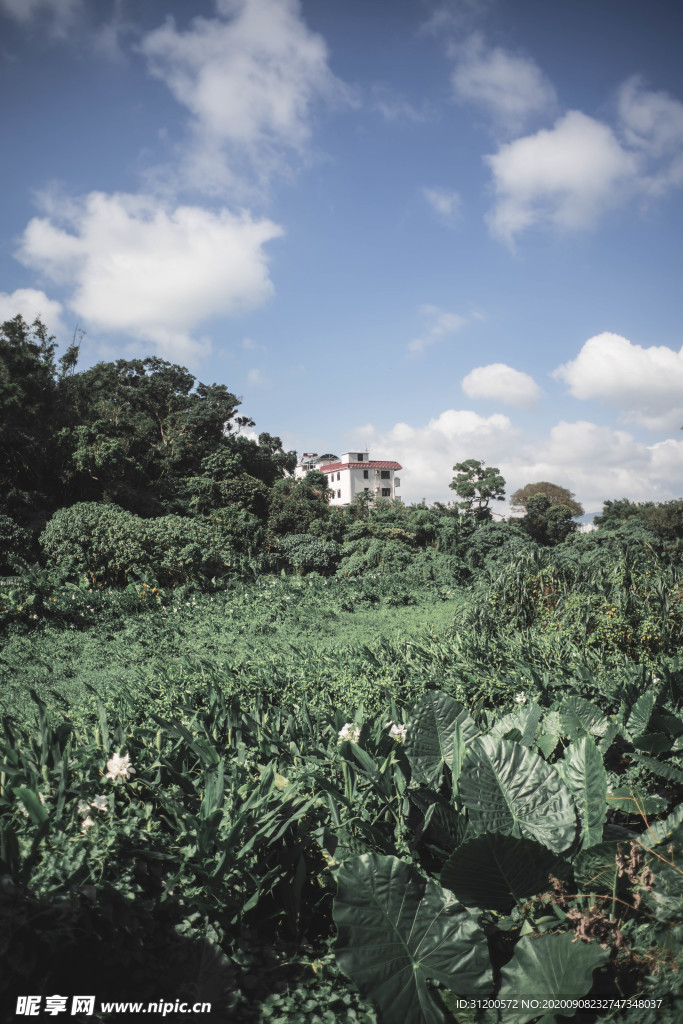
(295, 505)
(556, 495)
(546, 522)
(137, 428)
(477, 485)
(29, 420)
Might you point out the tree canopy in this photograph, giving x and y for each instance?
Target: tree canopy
(556, 495)
(477, 485)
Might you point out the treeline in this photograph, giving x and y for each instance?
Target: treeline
(134, 470)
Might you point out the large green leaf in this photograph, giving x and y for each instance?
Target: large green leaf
(433, 734)
(525, 720)
(494, 872)
(632, 801)
(509, 789)
(548, 967)
(584, 773)
(579, 716)
(641, 712)
(396, 929)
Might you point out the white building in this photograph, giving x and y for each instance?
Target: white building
(352, 474)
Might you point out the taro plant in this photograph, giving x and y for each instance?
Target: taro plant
(526, 874)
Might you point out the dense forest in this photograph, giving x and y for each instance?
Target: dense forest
(380, 763)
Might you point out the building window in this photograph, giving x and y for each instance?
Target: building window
(366, 489)
(360, 456)
(339, 494)
(386, 492)
(337, 476)
(366, 474)
(331, 477)
(385, 474)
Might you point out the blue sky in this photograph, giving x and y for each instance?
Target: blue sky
(439, 230)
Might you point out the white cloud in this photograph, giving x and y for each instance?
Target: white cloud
(565, 176)
(439, 324)
(511, 88)
(595, 462)
(31, 304)
(598, 462)
(501, 382)
(444, 203)
(645, 383)
(651, 123)
(154, 273)
(250, 78)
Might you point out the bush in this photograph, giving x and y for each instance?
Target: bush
(113, 546)
(304, 553)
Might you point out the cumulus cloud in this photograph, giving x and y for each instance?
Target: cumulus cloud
(444, 203)
(565, 176)
(134, 266)
(31, 304)
(428, 453)
(595, 462)
(503, 383)
(438, 324)
(645, 383)
(598, 462)
(509, 87)
(569, 175)
(250, 78)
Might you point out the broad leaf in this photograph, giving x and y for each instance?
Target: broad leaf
(665, 769)
(632, 801)
(579, 716)
(494, 872)
(641, 712)
(433, 733)
(549, 734)
(525, 721)
(511, 790)
(398, 929)
(552, 967)
(584, 773)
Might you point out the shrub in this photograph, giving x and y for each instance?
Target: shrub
(113, 546)
(304, 553)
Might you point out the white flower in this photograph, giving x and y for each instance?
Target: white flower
(83, 808)
(398, 732)
(520, 698)
(100, 803)
(22, 808)
(118, 766)
(86, 824)
(350, 733)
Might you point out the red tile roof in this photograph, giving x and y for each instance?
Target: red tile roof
(359, 465)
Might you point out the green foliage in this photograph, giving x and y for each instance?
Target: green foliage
(397, 931)
(305, 553)
(556, 495)
(28, 420)
(547, 522)
(477, 486)
(111, 546)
